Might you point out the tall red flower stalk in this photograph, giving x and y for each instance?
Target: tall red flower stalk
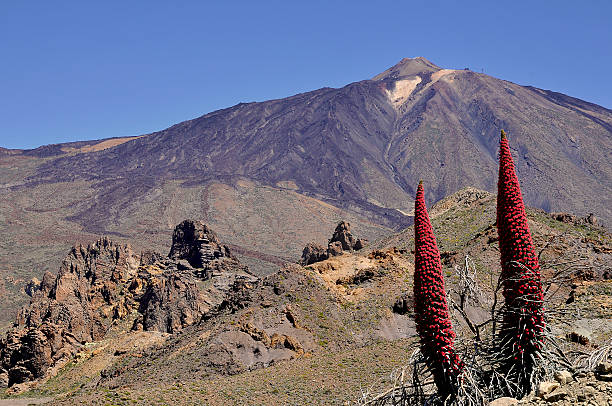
(431, 311)
(522, 325)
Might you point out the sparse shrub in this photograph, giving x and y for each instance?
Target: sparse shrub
(431, 311)
(522, 326)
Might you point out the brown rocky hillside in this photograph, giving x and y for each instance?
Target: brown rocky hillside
(318, 334)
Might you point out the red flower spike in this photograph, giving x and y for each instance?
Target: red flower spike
(431, 312)
(522, 286)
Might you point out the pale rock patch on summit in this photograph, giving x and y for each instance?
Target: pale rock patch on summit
(402, 90)
(440, 74)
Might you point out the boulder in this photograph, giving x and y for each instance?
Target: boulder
(544, 388)
(579, 335)
(564, 217)
(556, 395)
(404, 304)
(563, 377)
(312, 253)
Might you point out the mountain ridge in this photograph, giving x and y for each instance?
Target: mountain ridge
(259, 165)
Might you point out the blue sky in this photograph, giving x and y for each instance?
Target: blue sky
(88, 70)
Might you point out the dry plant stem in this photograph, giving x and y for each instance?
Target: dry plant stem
(588, 362)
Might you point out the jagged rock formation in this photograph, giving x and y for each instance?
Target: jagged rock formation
(104, 282)
(312, 253)
(199, 246)
(66, 310)
(342, 234)
(342, 240)
(334, 249)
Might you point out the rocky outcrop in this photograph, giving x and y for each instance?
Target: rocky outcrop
(66, 310)
(105, 282)
(342, 234)
(194, 242)
(342, 240)
(173, 299)
(568, 218)
(32, 287)
(170, 302)
(334, 249)
(312, 253)
(583, 387)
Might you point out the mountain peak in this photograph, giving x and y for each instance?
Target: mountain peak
(408, 67)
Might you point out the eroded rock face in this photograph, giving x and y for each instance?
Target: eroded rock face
(105, 281)
(170, 302)
(312, 253)
(342, 240)
(590, 219)
(66, 310)
(194, 242)
(342, 234)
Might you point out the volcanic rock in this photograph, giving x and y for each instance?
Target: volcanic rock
(67, 310)
(342, 240)
(199, 245)
(579, 335)
(170, 302)
(556, 395)
(360, 244)
(342, 233)
(312, 253)
(32, 287)
(545, 388)
(563, 376)
(334, 249)
(105, 281)
(404, 304)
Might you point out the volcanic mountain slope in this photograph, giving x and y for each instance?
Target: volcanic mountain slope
(368, 143)
(321, 334)
(271, 176)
